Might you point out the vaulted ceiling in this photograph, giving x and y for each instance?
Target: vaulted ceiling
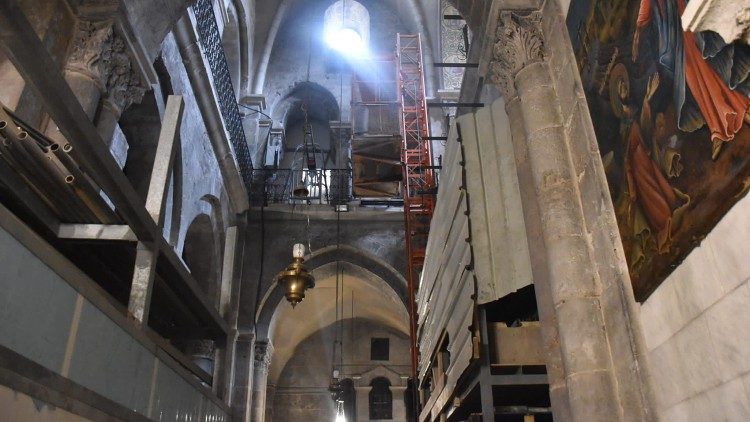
(271, 16)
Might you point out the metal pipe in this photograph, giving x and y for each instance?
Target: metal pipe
(192, 57)
(82, 185)
(29, 179)
(33, 162)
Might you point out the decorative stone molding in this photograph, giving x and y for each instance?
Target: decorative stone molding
(518, 43)
(263, 354)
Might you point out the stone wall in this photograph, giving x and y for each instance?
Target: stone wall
(202, 187)
(374, 233)
(697, 327)
(302, 391)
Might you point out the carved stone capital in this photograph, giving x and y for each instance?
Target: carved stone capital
(100, 54)
(263, 354)
(124, 86)
(518, 43)
(92, 50)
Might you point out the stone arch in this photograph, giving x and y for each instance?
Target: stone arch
(321, 257)
(202, 253)
(380, 399)
(321, 104)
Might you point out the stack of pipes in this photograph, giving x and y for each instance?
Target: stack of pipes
(52, 172)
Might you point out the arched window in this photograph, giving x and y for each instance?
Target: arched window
(347, 26)
(381, 399)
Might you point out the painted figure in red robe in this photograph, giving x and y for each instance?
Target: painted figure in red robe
(708, 99)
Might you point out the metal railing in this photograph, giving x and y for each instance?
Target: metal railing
(208, 33)
(278, 186)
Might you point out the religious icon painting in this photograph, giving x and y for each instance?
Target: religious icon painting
(670, 111)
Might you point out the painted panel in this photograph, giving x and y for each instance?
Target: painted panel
(670, 112)
(109, 361)
(36, 306)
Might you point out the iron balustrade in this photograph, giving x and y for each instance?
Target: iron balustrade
(324, 186)
(210, 39)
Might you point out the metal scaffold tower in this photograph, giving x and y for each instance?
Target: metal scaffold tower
(419, 187)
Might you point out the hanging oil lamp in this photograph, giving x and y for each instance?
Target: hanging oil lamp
(295, 279)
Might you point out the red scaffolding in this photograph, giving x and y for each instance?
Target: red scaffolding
(418, 178)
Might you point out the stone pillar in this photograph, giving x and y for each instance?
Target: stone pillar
(399, 406)
(591, 328)
(363, 403)
(263, 353)
(244, 372)
(547, 318)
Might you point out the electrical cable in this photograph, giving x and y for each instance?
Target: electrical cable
(254, 110)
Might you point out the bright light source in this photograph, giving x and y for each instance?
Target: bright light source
(346, 40)
(340, 416)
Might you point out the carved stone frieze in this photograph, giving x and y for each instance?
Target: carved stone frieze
(518, 43)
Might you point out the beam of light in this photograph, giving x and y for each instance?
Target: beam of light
(346, 41)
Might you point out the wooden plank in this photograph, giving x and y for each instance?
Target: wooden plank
(491, 205)
(520, 260)
(475, 188)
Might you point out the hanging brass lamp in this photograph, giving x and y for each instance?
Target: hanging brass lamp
(295, 279)
(300, 191)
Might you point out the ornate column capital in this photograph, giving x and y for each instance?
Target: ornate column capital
(102, 55)
(92, 50)
(124, 86)
(263, 354)
(518, 43)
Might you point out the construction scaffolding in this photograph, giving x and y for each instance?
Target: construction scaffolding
(376, 131)
(419, 187)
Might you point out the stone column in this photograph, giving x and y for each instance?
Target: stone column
(591, 329)
(99, 68)
(547, 318)
(363, 402)
(263, 353)
(244, 372)
(399, 407)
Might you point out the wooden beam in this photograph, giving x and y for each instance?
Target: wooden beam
(96, 232)
(148, 253)
(165, 151)
(22, 45)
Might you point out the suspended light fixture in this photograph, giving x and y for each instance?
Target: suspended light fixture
(295, 279)
(300, 191)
